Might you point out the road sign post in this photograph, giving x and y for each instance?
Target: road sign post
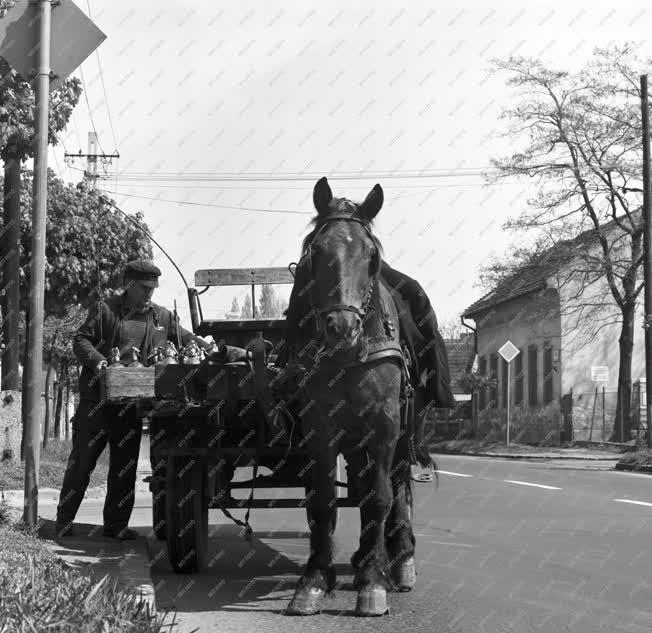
(34, 361)
(509, 352)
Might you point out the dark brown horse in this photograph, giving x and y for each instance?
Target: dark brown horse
(344, 335)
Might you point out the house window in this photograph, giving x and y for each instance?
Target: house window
(493, 371)
(503, 383)
(547, 374)
(532, 375)
(482, 369)
(518, 378)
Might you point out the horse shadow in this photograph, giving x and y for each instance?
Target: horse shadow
(241, 576)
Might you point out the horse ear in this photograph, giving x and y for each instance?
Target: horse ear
(372, 203)
(322, 195)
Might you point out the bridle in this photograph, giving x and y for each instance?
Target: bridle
(361, 311)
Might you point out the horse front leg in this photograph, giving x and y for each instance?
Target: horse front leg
(370, 561)
(318, 577)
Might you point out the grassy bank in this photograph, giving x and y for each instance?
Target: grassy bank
(52, 468)
(638, 461)
(39, 593)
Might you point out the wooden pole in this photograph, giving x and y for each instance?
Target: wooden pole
(647, 244)
(34, 360)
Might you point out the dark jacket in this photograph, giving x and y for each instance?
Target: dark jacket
(421, 334)
(101, 332)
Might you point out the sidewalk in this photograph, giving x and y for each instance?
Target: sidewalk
(525, 451)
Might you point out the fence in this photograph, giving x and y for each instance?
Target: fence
(593, 414)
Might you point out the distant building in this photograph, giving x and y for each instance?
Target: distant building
(567, 332)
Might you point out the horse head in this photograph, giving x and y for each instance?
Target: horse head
(342, 259)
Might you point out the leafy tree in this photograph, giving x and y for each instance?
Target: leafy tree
(235, 306)
(580, 135)
(246, 312)
(268, 301)
(17, 106)
(87, 245)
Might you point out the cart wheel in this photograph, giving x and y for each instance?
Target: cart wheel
(186, 514)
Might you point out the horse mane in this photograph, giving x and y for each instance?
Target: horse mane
(338, 206)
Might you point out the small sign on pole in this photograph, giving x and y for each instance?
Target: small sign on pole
(509, 352)
(599, 373)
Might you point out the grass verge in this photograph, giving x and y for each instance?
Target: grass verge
(638, 461)
(52, 468)
(39, 593)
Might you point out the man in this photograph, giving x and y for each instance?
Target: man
(125, 321)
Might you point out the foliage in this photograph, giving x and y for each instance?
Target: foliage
(471, 381)
(54, 459)
(246, 312)
(87, 245)
(17, 108)
(38, 592)
(235, 306)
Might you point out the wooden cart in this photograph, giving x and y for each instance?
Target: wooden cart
(206, 417)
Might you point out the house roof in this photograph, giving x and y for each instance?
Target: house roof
(460, 358)
(533, 276)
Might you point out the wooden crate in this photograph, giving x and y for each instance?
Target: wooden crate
(170, 381)
(119, 383)
(229, 382)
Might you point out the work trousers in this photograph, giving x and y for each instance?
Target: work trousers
(94, 425)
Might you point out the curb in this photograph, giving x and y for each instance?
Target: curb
(48, 495)
(593, 458)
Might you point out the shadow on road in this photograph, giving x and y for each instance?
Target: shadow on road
(241, 576)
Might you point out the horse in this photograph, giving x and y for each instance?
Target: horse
(343, 333)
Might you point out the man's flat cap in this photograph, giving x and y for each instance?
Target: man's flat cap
(144, 271)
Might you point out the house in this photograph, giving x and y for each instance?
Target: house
(566, 326)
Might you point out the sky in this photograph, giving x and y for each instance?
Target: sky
(307, 89)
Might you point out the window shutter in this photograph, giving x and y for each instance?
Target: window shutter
(493, 370)
(482, 369)
(503, 383)
(547, 374)
(518, 378)
(533, 378)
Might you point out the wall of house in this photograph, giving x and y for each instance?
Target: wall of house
(529, 321)
(594, 341)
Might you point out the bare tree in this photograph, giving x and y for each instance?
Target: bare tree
(581, 139)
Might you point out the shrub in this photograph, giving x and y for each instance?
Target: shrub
(39, 593)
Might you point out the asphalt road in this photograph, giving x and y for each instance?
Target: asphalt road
(503, 546)
(568, 552)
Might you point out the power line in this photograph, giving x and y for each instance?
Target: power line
(106, 101)
(215, 206)
(88, 105)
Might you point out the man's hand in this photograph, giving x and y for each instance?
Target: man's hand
(100, 366)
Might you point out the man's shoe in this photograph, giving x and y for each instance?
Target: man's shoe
(125, 534)
(62, 529)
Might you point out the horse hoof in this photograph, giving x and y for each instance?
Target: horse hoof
(372, 602)
(306, 602)
(404, 576)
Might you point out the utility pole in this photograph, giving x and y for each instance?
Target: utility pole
(34, 360)
(647, 244)
(90, 174)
